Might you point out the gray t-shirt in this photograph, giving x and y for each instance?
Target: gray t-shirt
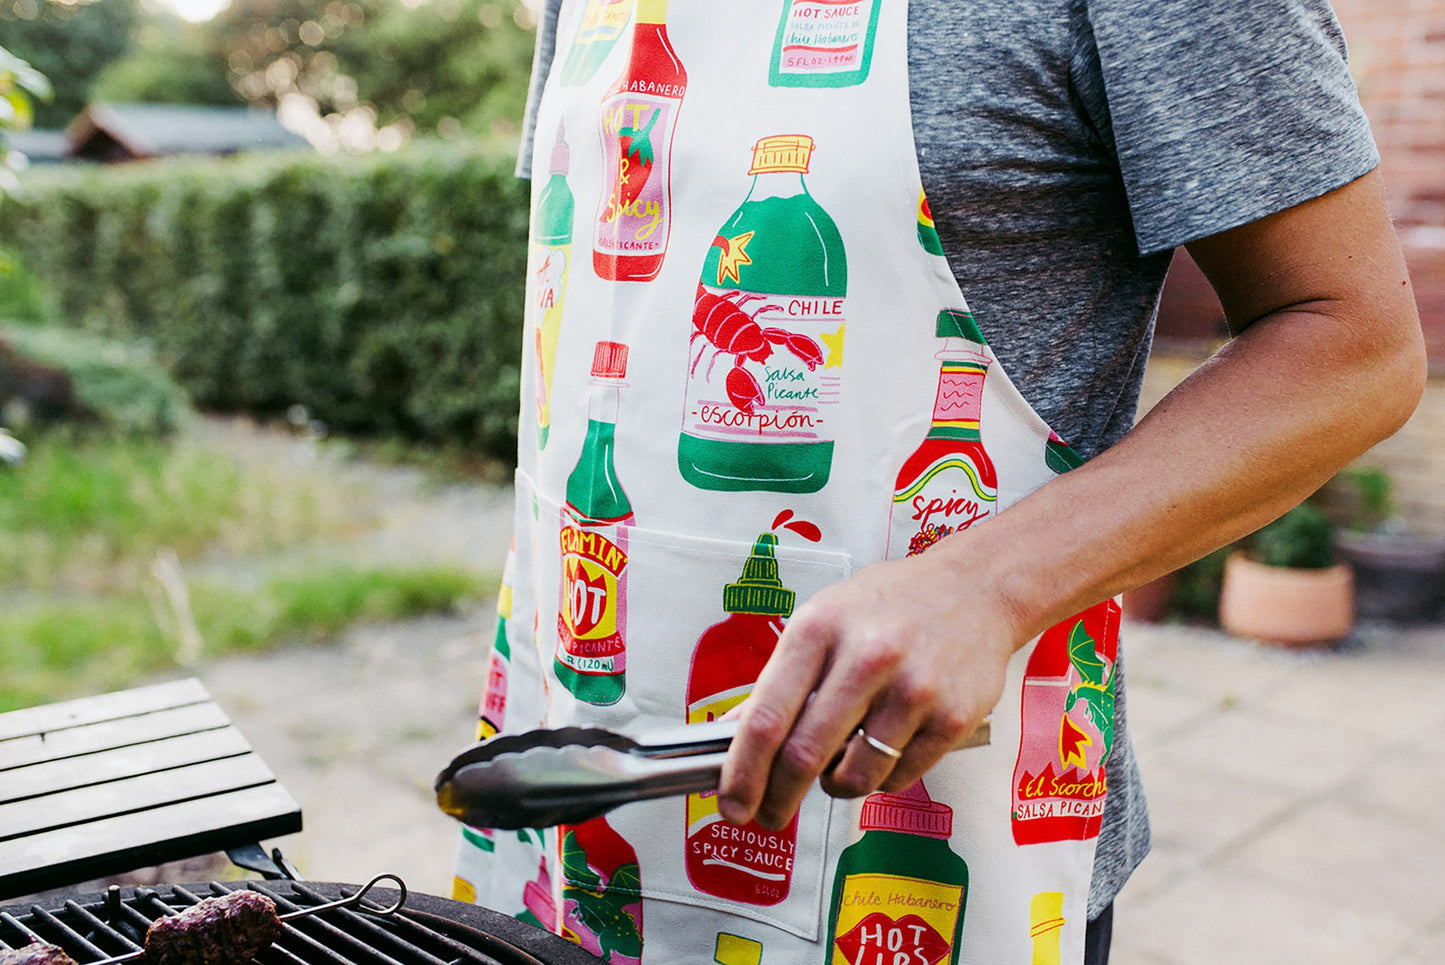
(1066, 147)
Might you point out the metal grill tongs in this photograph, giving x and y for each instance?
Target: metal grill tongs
(543, 778)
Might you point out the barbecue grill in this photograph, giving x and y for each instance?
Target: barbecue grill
(426, 931)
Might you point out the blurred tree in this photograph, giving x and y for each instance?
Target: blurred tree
(448, 67)
(70, 42)
(348, 73)
(172, 62)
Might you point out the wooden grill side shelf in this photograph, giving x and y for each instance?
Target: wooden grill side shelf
(108, 784)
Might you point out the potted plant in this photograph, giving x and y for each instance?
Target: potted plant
(1399, 574)
(1288, 587)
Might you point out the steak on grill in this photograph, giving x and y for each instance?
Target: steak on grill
(36, 953)
(227, 929)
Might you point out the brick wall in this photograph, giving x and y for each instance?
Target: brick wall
(1397, 56)
(1414, 457)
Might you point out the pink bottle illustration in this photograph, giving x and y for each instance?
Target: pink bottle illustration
(639, 115)
(949, 483)
(1066, 729)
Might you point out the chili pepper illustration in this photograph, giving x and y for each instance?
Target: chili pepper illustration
(634, 164)
(723, 324)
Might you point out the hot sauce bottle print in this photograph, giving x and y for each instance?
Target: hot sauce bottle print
(602, 24)
(1067, 729)
(927, 230)
(601, 892)
(492, 712)
(949, 483)
(749, 864)
(551, 253)
(765, 368)
(1046, 923)
(1059, 456)
(899, 891)
(591, 654)
(824, 43)
(639, 115)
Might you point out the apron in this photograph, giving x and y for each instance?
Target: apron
(754, 373)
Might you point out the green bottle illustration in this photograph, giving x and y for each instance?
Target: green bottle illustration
(1059, 456)
(547, 278)
(824, 43)
(899, 891)
(765, 363)
(591, 655)
(602, 25)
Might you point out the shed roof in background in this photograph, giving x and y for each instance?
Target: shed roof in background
(39, 147)
(110, 132)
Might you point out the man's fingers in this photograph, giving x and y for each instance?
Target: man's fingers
(862, 668)
(765, 720)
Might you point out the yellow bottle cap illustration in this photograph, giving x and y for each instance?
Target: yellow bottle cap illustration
(782, 152)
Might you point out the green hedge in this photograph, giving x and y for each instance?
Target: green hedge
(382, 293)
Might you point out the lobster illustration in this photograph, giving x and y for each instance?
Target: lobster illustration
(723, 324)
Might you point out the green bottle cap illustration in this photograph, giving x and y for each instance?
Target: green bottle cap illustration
(759, 590)
(908, 812)
(953, 323)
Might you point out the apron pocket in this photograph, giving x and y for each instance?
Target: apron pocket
(698, 619)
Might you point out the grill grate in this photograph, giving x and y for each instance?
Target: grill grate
(427, 931)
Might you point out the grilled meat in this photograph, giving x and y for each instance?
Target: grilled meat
(228, 929)
(36, 953)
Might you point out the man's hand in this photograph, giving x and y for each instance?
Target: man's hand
(913, 651)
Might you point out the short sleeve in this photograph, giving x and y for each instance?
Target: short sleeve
(1226, 111)
(542, 54)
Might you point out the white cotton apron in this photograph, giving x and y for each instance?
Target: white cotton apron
(749, 372)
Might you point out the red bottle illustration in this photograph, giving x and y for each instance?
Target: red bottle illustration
(750, 864)
(591, 657)
(601, 892)
(639, 115)
(949, 483)
(1067, 729)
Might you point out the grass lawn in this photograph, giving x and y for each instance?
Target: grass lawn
(102, 539)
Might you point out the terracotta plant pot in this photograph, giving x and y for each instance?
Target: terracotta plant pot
(1295, 607)
(1149, 603)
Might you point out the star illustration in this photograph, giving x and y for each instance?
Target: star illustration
(835, 347)
(734, 255)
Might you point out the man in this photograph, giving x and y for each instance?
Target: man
(1065, 148)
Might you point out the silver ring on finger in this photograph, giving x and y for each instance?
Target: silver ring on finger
(879, 746)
